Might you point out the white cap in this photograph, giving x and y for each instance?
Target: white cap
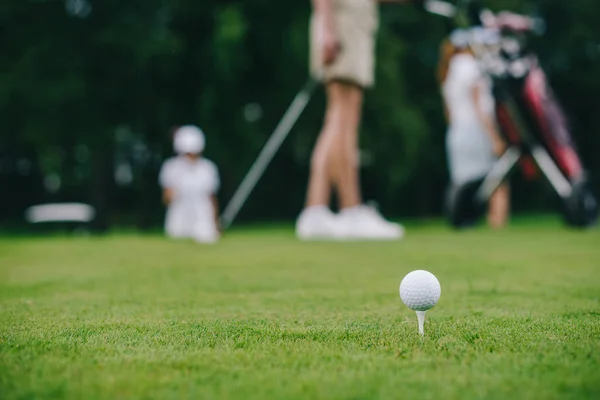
(189, 139)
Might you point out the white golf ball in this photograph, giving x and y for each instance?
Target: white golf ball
(420, 290)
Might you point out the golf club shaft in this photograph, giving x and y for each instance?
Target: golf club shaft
(268, 152)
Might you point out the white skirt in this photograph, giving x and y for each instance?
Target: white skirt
(470, 153)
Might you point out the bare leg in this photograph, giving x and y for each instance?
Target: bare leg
(319, 189)
(499, 207)
(347, 179)
(335, 163)
(343, 168)
(334, 160)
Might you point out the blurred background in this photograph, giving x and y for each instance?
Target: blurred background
(90, 89)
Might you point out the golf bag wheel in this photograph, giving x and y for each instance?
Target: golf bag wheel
(462, 208)
(580, 210)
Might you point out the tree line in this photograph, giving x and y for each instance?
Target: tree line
(89, 92)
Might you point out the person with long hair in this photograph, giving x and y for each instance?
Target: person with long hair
(473, 142)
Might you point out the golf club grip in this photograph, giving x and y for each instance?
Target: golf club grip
(268, 152)
(439, 7)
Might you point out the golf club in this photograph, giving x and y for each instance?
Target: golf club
(268, 152)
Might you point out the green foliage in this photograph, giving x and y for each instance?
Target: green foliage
(262, 315)
(67, 82)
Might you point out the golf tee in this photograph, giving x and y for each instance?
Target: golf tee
(421, 318)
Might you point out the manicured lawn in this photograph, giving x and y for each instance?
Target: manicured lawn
(262, 315)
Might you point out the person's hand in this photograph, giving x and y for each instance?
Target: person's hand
(168, 196)
(328, 41)
(499, 146)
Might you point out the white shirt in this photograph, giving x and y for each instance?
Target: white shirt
(463, 76)
(190, 213)
(469, 146)
(188, 178)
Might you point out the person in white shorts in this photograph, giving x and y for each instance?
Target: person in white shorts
(473, 142)
(190, 183)
(342, 56)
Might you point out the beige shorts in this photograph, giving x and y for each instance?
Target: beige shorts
(356, 24)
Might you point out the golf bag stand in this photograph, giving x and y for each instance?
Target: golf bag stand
(529, 117)
(534, 127)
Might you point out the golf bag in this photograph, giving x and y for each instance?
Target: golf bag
(535, 129)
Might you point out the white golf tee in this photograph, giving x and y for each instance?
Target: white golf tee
(421, 318)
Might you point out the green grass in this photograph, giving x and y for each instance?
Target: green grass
(262, 315)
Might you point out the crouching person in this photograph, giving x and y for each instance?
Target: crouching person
(190, 183)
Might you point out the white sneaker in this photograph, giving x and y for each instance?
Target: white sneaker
(317, 222)
(363, 222)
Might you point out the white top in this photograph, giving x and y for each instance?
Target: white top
(469, 146)
(190, 214)
(463, 76)
(189, 179)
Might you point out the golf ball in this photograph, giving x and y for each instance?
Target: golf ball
(420, 290)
